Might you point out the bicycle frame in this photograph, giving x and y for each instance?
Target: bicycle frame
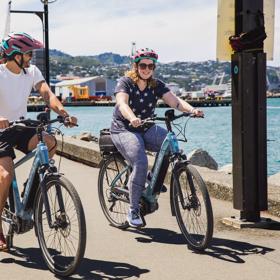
(169, 145)
(40, 164)
(41, 158)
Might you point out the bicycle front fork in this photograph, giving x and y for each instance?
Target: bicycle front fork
(61, 210)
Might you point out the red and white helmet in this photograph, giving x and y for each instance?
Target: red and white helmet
(145, 53)
(18, 43)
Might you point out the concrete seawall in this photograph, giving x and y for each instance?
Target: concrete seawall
(219, 183)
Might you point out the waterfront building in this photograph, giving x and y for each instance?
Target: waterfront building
(174, 87)
(90, 88)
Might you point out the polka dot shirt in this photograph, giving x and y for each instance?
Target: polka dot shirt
(142, 103)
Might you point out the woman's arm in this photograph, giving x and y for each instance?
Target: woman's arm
(177, 103)
(122, 102)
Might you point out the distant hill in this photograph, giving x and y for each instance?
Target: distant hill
(112, 58)
(189, 75)
(104, 58)
(54, 52)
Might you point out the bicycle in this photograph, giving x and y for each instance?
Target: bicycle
(50, 202)
(189, 198)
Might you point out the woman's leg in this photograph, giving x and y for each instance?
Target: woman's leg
(154, 137)
(132, 148)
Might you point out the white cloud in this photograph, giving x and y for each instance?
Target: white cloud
(178, 30)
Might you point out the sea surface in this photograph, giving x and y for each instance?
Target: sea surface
(213, 133)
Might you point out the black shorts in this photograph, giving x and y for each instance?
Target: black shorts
(15, 137)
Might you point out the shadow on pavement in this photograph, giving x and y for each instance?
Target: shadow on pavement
(159, 235)
(88, 269)
(233, 250)
(223, 249)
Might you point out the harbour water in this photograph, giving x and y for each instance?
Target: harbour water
(213, 133)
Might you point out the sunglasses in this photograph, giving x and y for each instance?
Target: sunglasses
(30, 54)
(144, 66)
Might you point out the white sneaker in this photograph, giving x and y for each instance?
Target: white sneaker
(134, 218)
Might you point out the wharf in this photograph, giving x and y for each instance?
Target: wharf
(195, 103)
(36, 107)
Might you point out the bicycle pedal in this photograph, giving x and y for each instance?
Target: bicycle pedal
(163, 189)
(144, 222)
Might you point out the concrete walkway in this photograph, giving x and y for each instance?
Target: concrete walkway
(156, 252)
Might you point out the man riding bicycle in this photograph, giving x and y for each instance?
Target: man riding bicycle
(136, 95)
(17, 78)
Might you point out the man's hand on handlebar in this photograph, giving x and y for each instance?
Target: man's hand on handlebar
(70, 121)
(4, 123)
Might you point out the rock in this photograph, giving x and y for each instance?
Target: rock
(86, 136)
(226, 168)
(202, 158)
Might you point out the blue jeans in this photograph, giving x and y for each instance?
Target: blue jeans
(132, 146)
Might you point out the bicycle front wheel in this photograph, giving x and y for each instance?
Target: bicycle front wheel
(193, 207)
(63, 244)
(114, 199)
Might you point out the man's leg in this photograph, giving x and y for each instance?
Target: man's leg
(49, 140)
(6, 175)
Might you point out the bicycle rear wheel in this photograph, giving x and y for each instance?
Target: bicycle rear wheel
(193, 207)
(63, 245)
(114, 202)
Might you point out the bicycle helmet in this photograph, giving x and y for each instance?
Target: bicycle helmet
(144, 53)
(19, 43)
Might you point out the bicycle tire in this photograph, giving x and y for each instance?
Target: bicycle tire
(61, 261)
(114, 209)
(198, 235)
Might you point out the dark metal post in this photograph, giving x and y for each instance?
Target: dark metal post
(249, 119)
(46, 35)
(45, 23)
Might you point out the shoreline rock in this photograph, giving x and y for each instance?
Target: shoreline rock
(202, 158)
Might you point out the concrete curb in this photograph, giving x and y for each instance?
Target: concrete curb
(218, 183)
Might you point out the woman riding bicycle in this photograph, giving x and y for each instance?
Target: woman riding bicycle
(137, 94)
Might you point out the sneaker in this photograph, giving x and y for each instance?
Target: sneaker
(134, 218)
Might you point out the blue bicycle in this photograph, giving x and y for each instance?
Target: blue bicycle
(189, 198)
(50, 202)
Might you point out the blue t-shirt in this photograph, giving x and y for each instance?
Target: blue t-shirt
(142, 103)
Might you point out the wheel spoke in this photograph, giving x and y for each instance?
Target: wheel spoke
(115, 210)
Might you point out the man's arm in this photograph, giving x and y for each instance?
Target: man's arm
(52, 101)
(50, 98)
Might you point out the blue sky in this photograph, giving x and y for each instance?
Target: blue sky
(178, 29)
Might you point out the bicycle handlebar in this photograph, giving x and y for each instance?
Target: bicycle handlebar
(41, 122)
(169, 117)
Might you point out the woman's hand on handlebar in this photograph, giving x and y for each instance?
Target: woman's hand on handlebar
(135, 122)
(197, 113)
(4, 123)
